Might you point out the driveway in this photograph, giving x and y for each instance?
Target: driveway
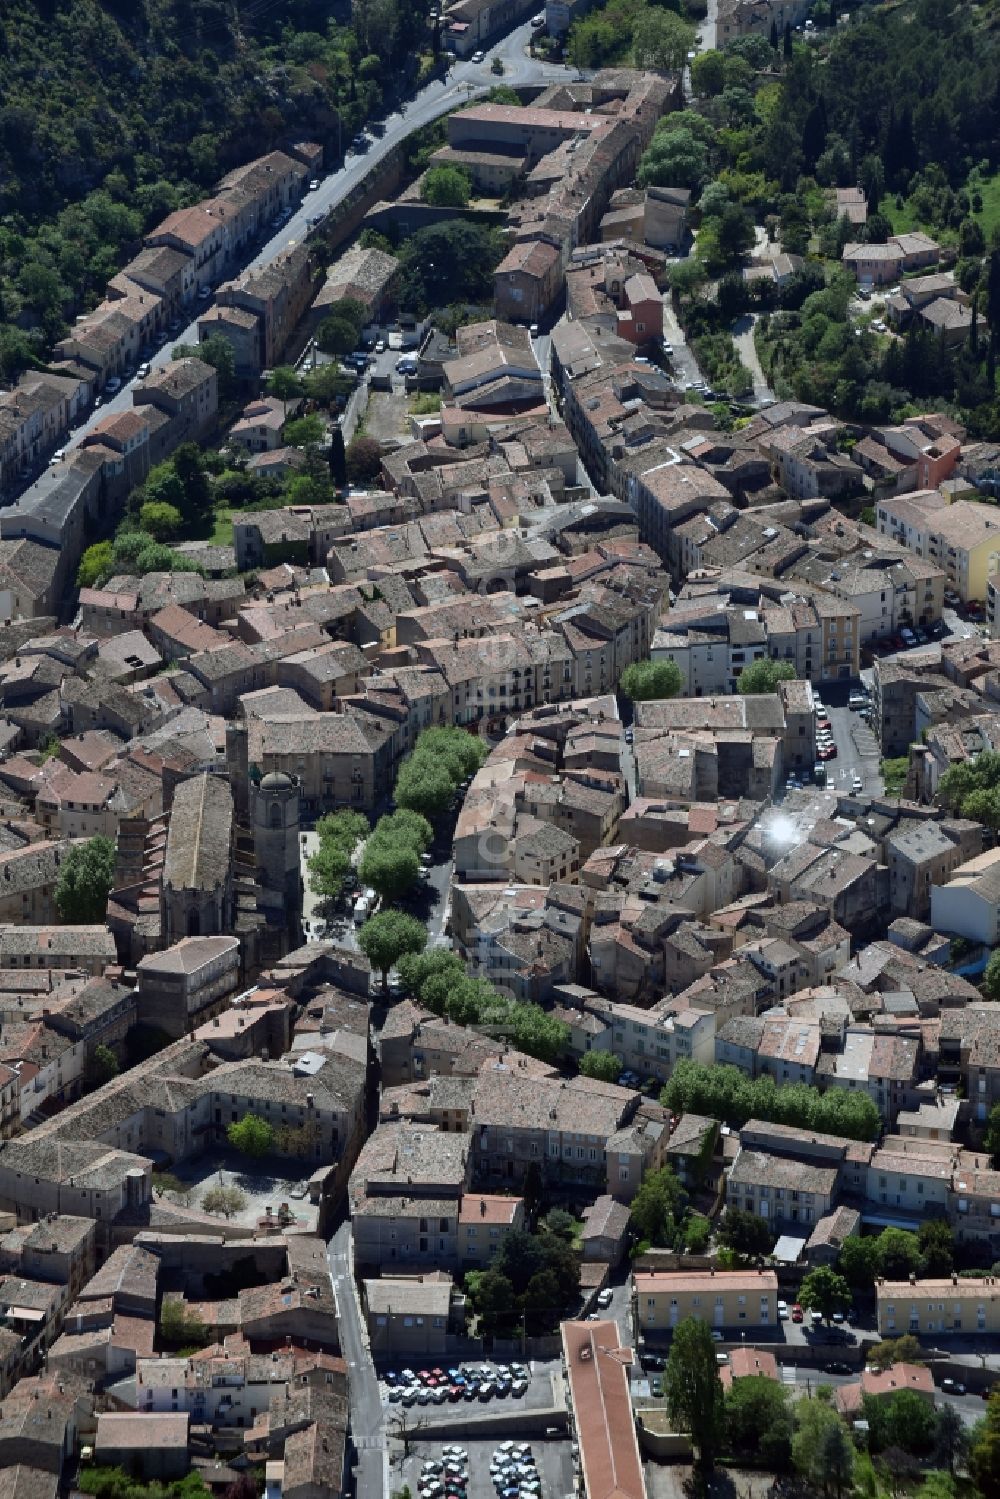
(747, 350)
(857, 747)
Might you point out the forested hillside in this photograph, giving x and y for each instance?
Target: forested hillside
(112, 112)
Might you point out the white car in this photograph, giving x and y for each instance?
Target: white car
(478, 57)
(604, 1298)
(782, 1311)
(857, 784)
(380, 346)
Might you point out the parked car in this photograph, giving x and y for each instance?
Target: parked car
(782, 1311)
(478, 57)
(314, 184)
(604, 1298)
(656, 1385)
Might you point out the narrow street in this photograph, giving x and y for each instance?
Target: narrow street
(367, 1423)
(747, 350)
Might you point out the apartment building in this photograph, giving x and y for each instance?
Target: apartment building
(729, 1300)
(963, 538)
(939, 1308)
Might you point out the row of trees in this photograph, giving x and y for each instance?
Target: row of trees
(441, 760)
(339, 834)
(728, 1094)
(390, 863)
(438, 979)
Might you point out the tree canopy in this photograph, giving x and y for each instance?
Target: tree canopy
(251, 1135)
(86, 875)
(446, 186)
(439, 981)
(764, 676)
(645, 681)
(693, 1389)
(441, 760)
(388, 936)
(726, 1093)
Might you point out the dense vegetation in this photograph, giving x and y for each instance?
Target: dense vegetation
(114, 112)
(728, 1094)
(904, 101)
(438, 980)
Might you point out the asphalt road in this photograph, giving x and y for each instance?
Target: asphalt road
(367, 1422)
(464, 80)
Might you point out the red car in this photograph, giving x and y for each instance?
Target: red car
(796, 1313)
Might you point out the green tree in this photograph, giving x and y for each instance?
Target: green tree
(658, 1208)
(225, 1200)
(759, 1423)
(991, 1139)
(95, 565)
(821, 1448)
(645, 681)
(951, 1438)
(446, 187)
(389, 867)
(285, 384)
(216, 351)
(745, 1234)
(179, 1327)
(86, 876)
(904, 1350)
(904, 1420)
(160, 519)
(708, 73)
(937, 1243)
(337, 335)
(328, 867)
(364, 460)
(103, 1066)
(764, 676)
(661, 40)
(693, 1390)
(824, 1291)
(305, 432)
(898, 1254)
(991, 988)
(387, 937)
(601, 1064)
(858, 1260)
(984, 1454)
(252, 1136)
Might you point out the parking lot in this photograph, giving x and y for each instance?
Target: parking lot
(855, 748)
(483, 1383)
(511, 1469)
